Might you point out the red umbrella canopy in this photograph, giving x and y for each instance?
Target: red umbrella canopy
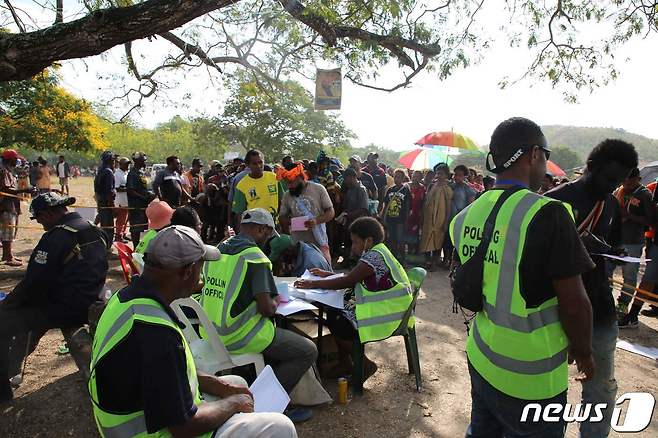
(554, 169)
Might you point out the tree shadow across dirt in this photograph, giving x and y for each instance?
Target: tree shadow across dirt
(61, 408)
(390, 406)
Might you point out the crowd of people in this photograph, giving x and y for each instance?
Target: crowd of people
(415, 207)
(527, 253)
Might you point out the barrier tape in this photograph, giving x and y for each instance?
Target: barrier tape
(10, 195)
(636, 289)
(30, 227)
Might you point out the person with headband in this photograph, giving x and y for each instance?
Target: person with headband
(309, 200)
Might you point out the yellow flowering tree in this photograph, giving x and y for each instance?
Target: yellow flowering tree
(41, 115)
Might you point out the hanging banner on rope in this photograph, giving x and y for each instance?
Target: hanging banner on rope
(328, 89)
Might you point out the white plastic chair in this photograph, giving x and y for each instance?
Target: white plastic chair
(210, 355)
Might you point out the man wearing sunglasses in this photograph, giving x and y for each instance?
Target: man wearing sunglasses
(533, 310)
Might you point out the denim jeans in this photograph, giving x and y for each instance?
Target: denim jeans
(629, 271)
(603, 387)
(497, 415)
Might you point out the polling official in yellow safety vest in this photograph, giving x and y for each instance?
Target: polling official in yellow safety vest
(382, 294)
(535, 312)
(144, 381)
(240, 297)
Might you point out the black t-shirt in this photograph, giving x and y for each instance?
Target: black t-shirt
(553, 251)
(397, 202)
(607, 228)
(147, 370)
(637, 203)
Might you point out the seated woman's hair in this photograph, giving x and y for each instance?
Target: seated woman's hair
(185, 216)
(365, 227)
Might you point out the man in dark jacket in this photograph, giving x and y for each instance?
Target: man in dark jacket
(105, 193)
(65, 275)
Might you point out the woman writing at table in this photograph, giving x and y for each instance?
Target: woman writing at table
(380, 297)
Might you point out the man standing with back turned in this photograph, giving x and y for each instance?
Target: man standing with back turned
(535, 310)
(598, 219)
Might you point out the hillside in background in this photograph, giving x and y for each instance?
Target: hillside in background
(581, 140)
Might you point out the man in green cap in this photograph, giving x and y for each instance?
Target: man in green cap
(292, 259)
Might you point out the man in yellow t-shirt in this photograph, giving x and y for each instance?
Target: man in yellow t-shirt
(258, 189)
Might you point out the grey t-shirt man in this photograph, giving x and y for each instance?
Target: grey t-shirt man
(314, 199)
(257, 280)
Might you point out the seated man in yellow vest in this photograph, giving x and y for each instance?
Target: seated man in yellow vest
(240, 296)
(382, 294)
(143, 376)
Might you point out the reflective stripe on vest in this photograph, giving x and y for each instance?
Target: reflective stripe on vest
(379, 314)
(218, 298)
(521, 351)
(116, 322)
(144, 242)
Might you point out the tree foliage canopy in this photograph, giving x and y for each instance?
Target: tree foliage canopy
(280, 124)
(39, 114)
(574, 41)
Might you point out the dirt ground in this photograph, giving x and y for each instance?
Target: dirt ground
(53, 401)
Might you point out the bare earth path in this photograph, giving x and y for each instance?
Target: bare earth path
(53, 401)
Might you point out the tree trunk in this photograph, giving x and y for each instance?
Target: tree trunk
(25, 54)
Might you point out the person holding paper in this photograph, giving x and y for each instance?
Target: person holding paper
(143, 376)
(381, 291)
(240, 297)
(305, 209)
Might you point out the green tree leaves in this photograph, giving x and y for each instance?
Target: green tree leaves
(41, 115)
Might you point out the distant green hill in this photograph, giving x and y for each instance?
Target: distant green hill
(582, 140)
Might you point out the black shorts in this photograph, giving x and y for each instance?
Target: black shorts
(138, 221)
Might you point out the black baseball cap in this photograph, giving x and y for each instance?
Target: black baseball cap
(48, 200)
(510, 140)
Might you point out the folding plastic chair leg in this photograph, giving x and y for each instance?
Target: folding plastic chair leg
(358, 358)
(416, 357)
(407, 347)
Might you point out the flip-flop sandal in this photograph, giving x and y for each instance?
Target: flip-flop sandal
(14, 263)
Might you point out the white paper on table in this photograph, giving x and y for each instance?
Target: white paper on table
(269, 395)
(285, 309)
(284, 291)
(627, 259)
(298, 223)
(308, 276)
(332, 298)
(650, 352)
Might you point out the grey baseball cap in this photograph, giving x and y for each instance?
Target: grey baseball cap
(177, 246)
(259, 216)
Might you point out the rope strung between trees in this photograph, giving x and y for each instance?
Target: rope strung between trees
(76, 205)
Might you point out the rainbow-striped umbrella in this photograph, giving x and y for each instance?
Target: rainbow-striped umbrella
(448, 139)
(425, 157)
